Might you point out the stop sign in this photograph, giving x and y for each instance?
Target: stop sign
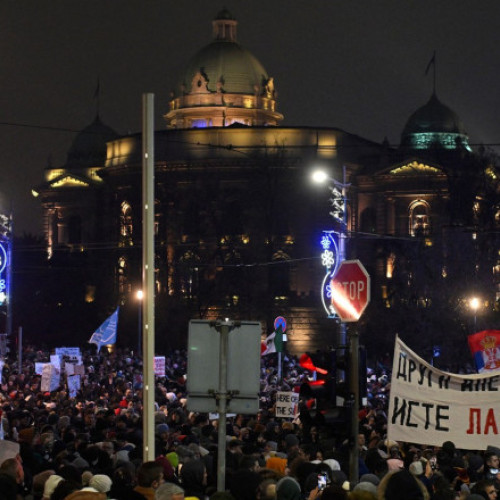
(350, 289)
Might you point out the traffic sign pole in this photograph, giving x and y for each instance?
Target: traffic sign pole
(350, 296)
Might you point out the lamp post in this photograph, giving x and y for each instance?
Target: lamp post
(139, 296)
(339, 213)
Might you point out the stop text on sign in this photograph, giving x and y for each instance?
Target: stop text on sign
(350, 290)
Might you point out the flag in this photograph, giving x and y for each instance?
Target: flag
(484, 347)
(273, 342)
(306, 362)
(432, 62)
(106, 333)
(270, 347)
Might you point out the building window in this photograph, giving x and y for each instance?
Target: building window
(419, 218)
(75, 229)
(126, 224)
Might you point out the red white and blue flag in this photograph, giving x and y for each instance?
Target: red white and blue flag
(485, 349)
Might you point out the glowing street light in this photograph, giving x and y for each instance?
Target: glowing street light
(475, 304)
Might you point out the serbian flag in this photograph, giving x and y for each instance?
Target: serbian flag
(485, 349)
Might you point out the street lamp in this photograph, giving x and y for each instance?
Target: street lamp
(139, 296)
(338, 202)
(474, 304)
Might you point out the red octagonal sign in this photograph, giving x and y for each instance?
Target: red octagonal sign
(350, 289)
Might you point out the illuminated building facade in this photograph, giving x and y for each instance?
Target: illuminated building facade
(237, 221)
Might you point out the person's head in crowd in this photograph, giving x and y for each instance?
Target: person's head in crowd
(334, 492)
(243, 484)
(267, 489)
(101, 483)
(169, 491)
(13, 468)
(39, 483)
(194, 478)
(486, 488)
(150, 475)
(50, 485)
(401, 485)
(64, 488)
(475, 467)
(363, 488)
(70, 473)
(288, 488)
(249, 462)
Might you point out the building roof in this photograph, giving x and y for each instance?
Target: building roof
(89, 147)
(433, 123)
(224, 61)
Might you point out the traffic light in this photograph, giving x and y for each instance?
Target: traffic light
(321, 389)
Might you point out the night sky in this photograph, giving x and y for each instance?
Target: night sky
(356, 65)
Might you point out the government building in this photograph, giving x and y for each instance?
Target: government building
(238, 222)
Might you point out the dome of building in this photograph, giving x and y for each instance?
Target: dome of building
(89, 147)
(224, 62)
(226, 76)
(434, 123)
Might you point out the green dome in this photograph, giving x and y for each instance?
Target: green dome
(434, 123)
(224, 61)
(89, 147)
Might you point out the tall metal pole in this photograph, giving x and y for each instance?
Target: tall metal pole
(342, 340)
(148, 276)
(225, 327)
(354, 391)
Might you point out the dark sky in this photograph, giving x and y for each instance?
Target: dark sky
(355, 65)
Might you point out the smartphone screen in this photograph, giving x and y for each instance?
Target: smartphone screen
(321, 481)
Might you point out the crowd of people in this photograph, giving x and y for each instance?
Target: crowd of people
(57, 447)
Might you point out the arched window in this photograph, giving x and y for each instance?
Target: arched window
(419, 218)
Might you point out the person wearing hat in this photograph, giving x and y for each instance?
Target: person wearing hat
(401, 485)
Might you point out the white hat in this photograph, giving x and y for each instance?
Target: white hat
(101, 483)
(50, 485)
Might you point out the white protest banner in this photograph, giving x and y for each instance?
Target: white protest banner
(50, 378)
(430, 406)
(160, 366)
(55, 360)
(286, 404)
(39, 368)
(69, 352)
(74, 383)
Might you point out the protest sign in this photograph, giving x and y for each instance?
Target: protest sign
(50, 378)
(430, 406)
(160, 366)
(286, 404)
(55, 360)
(74, 383)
